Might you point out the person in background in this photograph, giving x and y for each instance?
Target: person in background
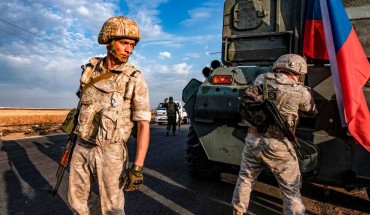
(172, 108)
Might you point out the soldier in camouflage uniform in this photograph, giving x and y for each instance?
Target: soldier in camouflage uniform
(171, 109)
(271, 148)
(108, 110)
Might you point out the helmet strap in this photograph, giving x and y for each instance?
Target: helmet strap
(290, 74)
(293, 76)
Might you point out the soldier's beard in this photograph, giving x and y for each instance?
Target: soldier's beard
(114, 56)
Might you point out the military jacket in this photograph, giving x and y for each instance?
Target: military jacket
(171, 108)
(290, 97)
(109, 107)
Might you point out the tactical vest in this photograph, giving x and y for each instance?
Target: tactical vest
(105, 107)
(171, 108)
(287, 94)
(250, 106)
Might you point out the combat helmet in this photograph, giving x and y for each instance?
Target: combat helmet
(171, 98)
(118, 27)
(291, 63)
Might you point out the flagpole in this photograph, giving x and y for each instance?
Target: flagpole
(333, 60)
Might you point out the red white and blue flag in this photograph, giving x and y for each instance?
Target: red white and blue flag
(329, 35)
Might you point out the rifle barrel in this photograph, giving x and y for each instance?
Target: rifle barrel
(59, 180)
(64, 161)
(283, 126)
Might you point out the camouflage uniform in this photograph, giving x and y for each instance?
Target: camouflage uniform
(171, 116)
(272, 149)
(107, 111)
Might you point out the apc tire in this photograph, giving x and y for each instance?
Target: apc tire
(197, 160)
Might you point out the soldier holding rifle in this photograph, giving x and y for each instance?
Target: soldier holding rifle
(268, 146)
(113, 99)
(172, 108)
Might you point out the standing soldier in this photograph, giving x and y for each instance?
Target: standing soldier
(172, 108)
(269, 147)
(113, 99)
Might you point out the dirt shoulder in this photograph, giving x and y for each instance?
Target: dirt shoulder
(23, 131)
(16, 123)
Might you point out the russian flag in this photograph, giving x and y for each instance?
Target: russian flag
(314, 45)
(349, 65)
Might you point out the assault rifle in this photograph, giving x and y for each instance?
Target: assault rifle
(64, 160)
(68, 126)
(282, 125)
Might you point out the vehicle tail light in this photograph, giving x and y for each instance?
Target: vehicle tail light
(222, 79)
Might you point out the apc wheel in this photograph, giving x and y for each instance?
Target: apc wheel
(197, 160)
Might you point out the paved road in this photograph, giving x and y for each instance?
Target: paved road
(28, 166)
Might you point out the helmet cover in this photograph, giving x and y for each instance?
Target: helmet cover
(292, 63)
(118, 27)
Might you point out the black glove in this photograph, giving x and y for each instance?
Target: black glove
(134, 178)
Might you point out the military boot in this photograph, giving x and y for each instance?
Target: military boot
(167, 134)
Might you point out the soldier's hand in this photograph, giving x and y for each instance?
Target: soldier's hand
(134, 178)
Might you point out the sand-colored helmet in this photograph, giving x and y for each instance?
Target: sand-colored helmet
(291, 62)
(118, 27)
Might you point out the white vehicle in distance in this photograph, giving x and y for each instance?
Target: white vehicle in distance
(161, 114)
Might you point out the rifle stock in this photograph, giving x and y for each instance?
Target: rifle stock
(282, 125)
(64, 161)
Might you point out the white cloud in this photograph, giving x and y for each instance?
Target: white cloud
(161, 69)
(205, 13)
(163, 55)
(46, 66)
(193, 55)
(83, 11)
(182, 68)
(197, 15)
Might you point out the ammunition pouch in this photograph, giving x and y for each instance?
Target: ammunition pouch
(272, 131)
(108, 123)
(251, 107)
(70, 122)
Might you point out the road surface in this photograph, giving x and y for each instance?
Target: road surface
(28, 166)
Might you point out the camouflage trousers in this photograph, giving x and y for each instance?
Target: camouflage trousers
(171, 122)
(104, 165)
(279, 156)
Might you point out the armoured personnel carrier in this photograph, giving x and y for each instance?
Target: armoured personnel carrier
(255, 33)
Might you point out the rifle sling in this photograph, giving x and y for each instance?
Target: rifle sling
(265, 89)
(100, 77)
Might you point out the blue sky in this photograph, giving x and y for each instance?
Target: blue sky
(44, 43)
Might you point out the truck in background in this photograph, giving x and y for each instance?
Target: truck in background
(161, 114)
